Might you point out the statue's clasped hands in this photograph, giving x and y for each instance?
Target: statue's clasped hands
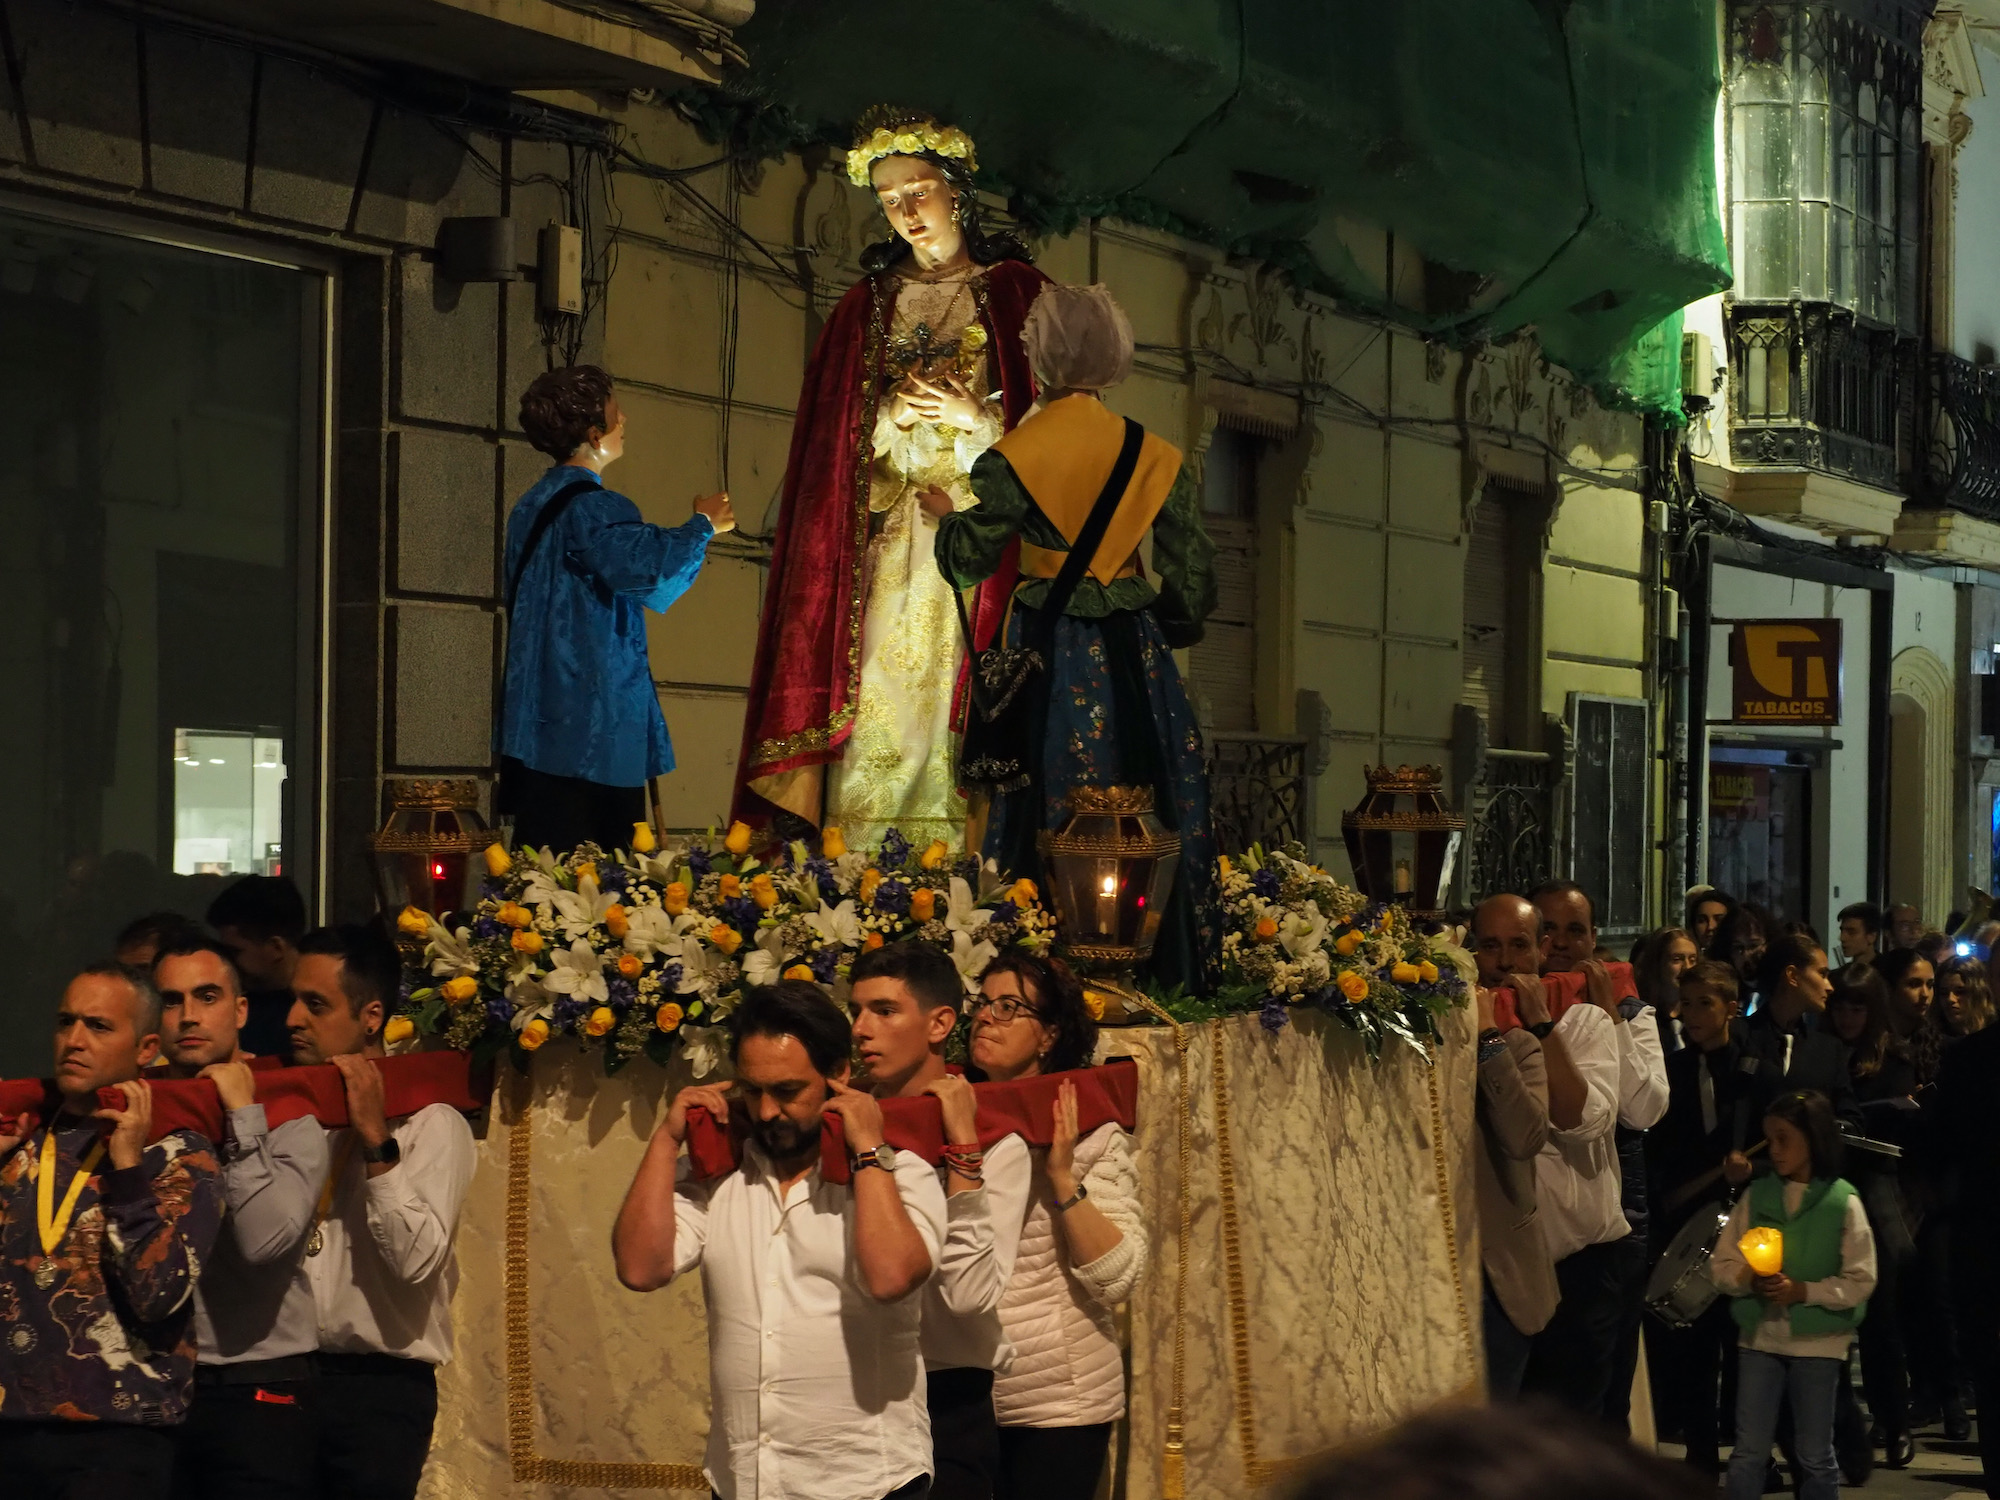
(948, 403)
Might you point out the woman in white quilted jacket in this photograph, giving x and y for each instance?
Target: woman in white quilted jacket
(1082, 1244)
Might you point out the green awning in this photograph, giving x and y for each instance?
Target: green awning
(1552, 159)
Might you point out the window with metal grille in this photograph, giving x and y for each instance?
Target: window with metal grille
(1610, 795)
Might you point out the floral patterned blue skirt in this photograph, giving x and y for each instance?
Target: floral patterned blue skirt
(1118, 715)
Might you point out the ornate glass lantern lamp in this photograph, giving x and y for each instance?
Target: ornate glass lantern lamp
(426, 853)
(1110, 869)
(1403, 840)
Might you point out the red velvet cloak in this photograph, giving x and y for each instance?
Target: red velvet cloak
(807, 674)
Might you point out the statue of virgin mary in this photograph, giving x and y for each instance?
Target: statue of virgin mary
(918, 371)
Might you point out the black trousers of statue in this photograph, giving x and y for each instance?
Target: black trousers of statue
(560, 812)
(374, 1430)
(965, 1435)
(59, 1460)
(1052, 1463)
(1574, 1356)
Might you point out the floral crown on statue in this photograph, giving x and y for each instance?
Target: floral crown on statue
(885, 131)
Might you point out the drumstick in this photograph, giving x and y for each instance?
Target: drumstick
(1693, 1189)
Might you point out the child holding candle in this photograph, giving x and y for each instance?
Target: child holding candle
(1798, 1300)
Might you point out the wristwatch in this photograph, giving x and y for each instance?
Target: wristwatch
(883, 1156)
(389, 1152)
(1542, 1028)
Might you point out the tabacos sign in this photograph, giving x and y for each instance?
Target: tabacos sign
(1785, 671)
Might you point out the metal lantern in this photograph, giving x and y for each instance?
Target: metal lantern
(426, 854)
(1110, 869)
(1403, 840)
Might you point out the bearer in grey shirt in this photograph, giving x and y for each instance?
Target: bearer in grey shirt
(249, 1432)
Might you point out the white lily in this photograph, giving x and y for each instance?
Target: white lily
(540, 888)
(992, 884)
(971, 958)
(580, 910)
(847, 871)
(1302, 932)
(961, 913)
(524, 992)
(765, 963)
(695, 963)
(704, 1047)
(578, 972)
(450, 953)
(839, 926)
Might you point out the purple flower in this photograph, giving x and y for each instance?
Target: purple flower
(486, 927)
(742, 914)
(408, 986)
(622, 991)
(568, 1011)
(1265, 884)
(895, 850)
(699, 862)
(820, 870)
(670, 978)
(893, 897)
(1273, 1015)
(613, 879)
(824, 963)
(498, 1009)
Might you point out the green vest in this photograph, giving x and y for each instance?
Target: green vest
(1812, 1251)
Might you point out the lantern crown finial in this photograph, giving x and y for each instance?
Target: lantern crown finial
(1110, 799)
(1403, 778)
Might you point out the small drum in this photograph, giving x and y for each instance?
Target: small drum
(1680, 1289)
(1870, 1157)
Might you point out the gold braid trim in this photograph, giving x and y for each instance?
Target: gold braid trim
(1260, 1472)
(529, 1468)
(1173, 1460)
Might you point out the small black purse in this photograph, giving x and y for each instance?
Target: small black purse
(1007, 686)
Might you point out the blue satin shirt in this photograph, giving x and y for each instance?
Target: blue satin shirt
(580, 696)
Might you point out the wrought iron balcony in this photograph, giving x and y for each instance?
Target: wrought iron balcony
(1814, 387)
(1259, 789)
(1961, 465)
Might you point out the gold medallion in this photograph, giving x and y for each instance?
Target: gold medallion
(46, 1274)
(317, 1243)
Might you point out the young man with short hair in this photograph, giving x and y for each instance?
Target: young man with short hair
(1860, 932)
(1906, 925)
(259, 920)
(380, 1256)
(249, 1434)
(815, 1375)
(906, 1000)
(101, 1238)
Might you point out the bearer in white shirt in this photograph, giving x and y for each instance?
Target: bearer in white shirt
(380, 1253)
(815, 1378)
(906, 1000)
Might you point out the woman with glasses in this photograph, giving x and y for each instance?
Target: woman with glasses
(1081, 1250)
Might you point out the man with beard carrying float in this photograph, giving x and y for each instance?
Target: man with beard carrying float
(918, 371)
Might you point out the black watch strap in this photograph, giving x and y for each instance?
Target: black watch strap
(390, 1151)
(1542, 1028)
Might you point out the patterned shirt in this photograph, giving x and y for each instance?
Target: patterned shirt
(103, 1329)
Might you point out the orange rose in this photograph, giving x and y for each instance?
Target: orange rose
(726, 939)
(614, 921)
(923, 904)
(870, 879)
(732, 887)
(1353, 986)
(675, 899)
(1024, 894)
(600, 1021)
(1346, 943)
(871, 942)
(763, 892)
(799, 971)
(1405, 973)
(737, 840)
(459, 990)
(668, 1016)
(629, 965)
(527, 941)
(1267, 930)
(511, 914)
(533, 1035)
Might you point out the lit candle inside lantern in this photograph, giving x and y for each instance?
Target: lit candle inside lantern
(1763, 1250)
(1402, 877)
(1107, 905)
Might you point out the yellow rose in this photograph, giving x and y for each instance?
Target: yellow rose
(629, 965)
(674, 900)
(726, 939)
(412, 921)
(908, 144)
(1223, 864)
(668, 1016)
(533, 1035)
(857, 168)
(884, 139)
(871, 942)
(737, 841)
(643, 841)
(600, 1021)
(832, 843)
(615, 921)
(923, 904)
(1405, 973)
(527, 940)
(974, 337)
(513, 915)
(1267, 930)
(585, 871)
(498, 860)
(1353, 986)
(1024, 894)
(799, 971)
(936, 855)
(1346, 943)
(399, 1029)
(458, 991)
(870, 879)
(1428, 972)
(763, 892)
(732, 887)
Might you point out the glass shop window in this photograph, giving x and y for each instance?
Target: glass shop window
(159, 462)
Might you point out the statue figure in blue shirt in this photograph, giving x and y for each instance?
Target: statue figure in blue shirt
(581, 732)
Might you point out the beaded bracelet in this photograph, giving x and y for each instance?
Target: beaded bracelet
(968, 1162)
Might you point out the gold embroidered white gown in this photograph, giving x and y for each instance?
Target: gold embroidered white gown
(896, 768)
